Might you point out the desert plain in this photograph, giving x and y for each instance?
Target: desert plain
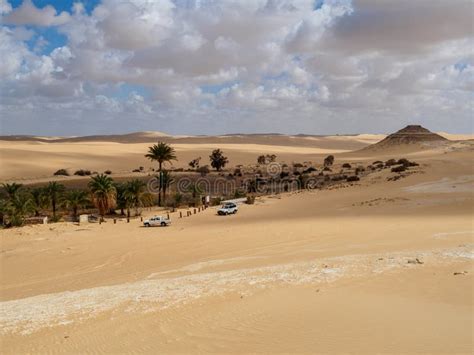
(381, 265)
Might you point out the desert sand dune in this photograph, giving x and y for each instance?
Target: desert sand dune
(316, 271)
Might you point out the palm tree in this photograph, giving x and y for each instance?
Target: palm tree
(121, 202)
(162, 153)
(196, 192)
(54, 191)
(12, 189)
(104, 194)
(18, 208)
(39, 199)
(76, 199)
(165, 182)
(133, 195)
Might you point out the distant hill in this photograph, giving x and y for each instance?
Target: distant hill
(413, 137)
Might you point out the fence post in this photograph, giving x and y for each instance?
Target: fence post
(115, 221)
(180, 214)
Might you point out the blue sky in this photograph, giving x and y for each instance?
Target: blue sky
(212, 67)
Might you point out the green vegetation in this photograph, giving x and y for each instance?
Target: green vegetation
(218, 160)
(161, 153)
(104, 194)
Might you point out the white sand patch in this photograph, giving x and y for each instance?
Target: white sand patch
(30, 314)
(448, 234)
(446, 185)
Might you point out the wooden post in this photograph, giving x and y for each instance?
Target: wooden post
(180, 214)
(115, 221)
(194, 211)
(128, 220)
(168, 215)
(141, 219)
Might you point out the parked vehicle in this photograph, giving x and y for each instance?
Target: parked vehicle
(228, 208)
(157, 221)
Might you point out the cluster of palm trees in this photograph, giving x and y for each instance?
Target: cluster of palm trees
(18, 202)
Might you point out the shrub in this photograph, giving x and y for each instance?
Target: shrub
(62, 172)
(310, 170)
(326, 168)
(339, 177)
(329, 160)
(82, 172)
(107, 172)
(399, 169)
(297, 165)
(203, 170)
(136, 170)
(359, 169)
(379, 166)
(377, 162)
(250, 200)
(215, 201)
(346, 166)
(194, 164)
(284, 174)
(390, 162)
(406, 162)
(352, 178)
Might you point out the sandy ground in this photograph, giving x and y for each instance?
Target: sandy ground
(376, 267)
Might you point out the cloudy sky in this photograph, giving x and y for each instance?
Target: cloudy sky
(226, 66)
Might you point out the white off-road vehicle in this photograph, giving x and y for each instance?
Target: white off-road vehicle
(157, 221)
(227, 208)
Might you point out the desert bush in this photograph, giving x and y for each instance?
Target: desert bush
(327, 168)
(329, 160)
(216, 201)
(194, 164)
(250, 200)
(377, 162)
(399, 169)
(135, 170)
(359, 169)
(107, 172)
(346, 166)
(379, 166)
(390, 162)
(203, 170)
(284, 174)
(339, 177)
(82, 172)
(406, 162)
(297, 165)
(61, 172)
(310, 170)
(352, 178)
